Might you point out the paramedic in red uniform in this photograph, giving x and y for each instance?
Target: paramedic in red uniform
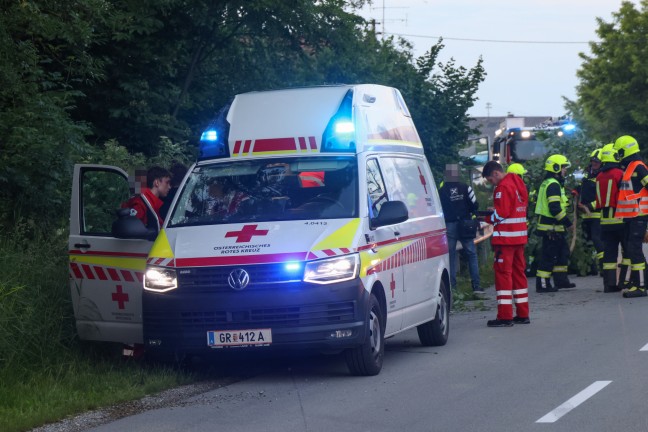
(146, 204)
(509, 222)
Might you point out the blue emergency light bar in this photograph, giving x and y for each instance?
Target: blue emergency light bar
(214, 140)
(340, 131)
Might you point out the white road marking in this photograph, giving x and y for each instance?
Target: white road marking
(572, 403)
(645, 348)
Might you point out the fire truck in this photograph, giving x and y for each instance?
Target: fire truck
(520, 144)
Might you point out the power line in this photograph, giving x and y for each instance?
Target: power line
(491, 40)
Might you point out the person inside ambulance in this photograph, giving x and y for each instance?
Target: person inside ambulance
(225, 198)
(146, 204)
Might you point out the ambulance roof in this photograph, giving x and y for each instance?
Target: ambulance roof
(339, 118)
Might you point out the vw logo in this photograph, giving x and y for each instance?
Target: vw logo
(238, 279)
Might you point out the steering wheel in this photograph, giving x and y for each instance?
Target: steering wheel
(323, 197)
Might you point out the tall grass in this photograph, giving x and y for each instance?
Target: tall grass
(46, 373)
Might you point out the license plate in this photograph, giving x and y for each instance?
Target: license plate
(239, 338)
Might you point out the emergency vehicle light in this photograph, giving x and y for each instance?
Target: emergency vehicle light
(209, 135)
(293, 266)
(214, 140)
(569, 127)
(344, 127)
(340, 131)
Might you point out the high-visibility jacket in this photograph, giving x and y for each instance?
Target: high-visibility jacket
(552, 206)
(607, 191)
(509, 221)
(633, 197)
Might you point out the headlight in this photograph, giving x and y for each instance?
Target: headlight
(160, 279)
(332, 270)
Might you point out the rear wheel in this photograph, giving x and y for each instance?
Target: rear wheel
(435, 332)
(367, 358)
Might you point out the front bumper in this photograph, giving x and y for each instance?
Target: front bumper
(300, 315)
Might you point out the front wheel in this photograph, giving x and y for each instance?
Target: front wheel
(435, 332)
(367, 358)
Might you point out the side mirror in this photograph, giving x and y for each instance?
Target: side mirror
(391, 212)
(129, 227)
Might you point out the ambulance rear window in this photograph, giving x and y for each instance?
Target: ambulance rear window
(323, 187)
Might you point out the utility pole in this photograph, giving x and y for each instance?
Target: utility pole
(382, 22)
(488, 108)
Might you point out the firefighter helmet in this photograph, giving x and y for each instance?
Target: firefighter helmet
(555, 163)
(516, 168)
(609, 154)
(626, 146)
(596, 155)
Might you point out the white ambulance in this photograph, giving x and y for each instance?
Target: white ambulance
(310, 220)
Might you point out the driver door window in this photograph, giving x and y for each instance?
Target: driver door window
(375, 188)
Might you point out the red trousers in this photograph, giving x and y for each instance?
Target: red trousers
(511, 281)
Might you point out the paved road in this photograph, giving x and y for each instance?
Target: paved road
(577, 367)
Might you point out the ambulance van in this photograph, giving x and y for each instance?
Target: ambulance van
(311, 220)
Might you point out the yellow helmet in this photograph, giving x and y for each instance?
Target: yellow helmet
(596, 155)
(516, 168)
(626, 146)
(555, 163)
(609, 154)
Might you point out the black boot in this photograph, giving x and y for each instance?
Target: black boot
(543, 285)
(562, 281)
(610, 281)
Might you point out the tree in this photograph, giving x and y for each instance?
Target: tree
(43, 47)
(612, 92)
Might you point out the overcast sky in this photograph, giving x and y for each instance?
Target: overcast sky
(526, 79)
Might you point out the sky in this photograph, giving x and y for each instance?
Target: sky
(524, 79)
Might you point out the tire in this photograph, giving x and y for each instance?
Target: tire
(367, 359)
(435, 332)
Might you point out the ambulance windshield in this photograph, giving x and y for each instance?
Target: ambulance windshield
(269, 189)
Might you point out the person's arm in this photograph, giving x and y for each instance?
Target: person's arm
(554, 199)
(502, 199)
(471, 200)
(642, 175)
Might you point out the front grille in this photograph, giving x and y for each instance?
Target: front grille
(292, 316)
(214, 279)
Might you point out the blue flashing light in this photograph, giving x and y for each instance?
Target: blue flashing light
(293, 266)
(209, 135)
(569, 127)
(344, 127)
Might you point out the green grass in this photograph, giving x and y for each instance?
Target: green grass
(463, 293)
(48, 394)
(45, 371)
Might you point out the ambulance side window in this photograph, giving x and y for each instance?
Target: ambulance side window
(406, 181)
(375, 188)
(102, 193)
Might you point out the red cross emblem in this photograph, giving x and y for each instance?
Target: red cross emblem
(392, 285)
(422, 179)
(246, 234)
(120, 297)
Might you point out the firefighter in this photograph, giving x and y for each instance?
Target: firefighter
(516, 168)
(632, 207)
(510, 199)
(605, 201)
(552, 225)
(592, 218)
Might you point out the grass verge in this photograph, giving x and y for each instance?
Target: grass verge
(45, 371)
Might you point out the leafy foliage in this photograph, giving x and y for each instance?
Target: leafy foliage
(612, 89)
(102, 80)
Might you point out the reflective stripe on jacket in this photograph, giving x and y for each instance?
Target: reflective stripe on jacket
(631, 203)
(607, 190)
(547, 220)
(509, 220)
